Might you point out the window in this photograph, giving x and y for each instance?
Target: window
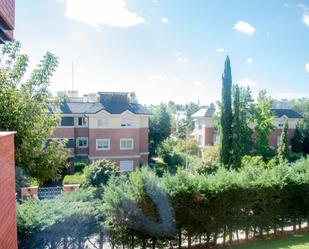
(102, 122)
(126, 144)
(82, 121)
(103, 144)
(126, 166)
(126, 122)
(67, 121)
(82, 142)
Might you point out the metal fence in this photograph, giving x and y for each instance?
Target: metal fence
(49, 193)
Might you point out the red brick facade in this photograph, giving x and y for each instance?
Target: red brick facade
(7, 19)
(8, 232)
(274, 136)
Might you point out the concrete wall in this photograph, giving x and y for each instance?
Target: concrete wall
(8, 230)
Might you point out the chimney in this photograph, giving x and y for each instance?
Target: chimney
(115, 97)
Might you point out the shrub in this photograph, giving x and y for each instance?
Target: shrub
(79, 164)
(209, 162)
(99, 172)
(77, 178)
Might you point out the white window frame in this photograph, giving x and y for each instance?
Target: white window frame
(81, 138)
(103, 139)
(126, 139)
(106, 122)
(126, 122)
(84, 121)
(126, 161)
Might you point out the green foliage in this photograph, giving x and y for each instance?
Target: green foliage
(79, 163)
(253, 199)
(262, 119)
(235, 159)
(192, 146)
(159, 168)
(253, 161)
(159, 127)
(226, 114)
(77, 178)
(296, 142)
(283, 149)
(99, 172)
(209, 162)
(22, 105)
(170, 155)
(67, 220)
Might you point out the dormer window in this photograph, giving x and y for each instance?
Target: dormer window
(126, 122)
(82, 121)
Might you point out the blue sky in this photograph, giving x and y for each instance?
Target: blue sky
(170, 49)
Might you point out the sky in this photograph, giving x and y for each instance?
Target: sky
(169, 50)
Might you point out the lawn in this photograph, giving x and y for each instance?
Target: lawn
(298, 241)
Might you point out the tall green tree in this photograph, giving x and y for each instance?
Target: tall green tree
(246, 133)
(23, 106)
(159, 127)
(297, 140)
(235, 159)
(262, 119)
(226, 114)
(283, 149)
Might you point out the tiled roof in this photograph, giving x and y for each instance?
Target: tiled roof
(93, 108)
(286, 112)
(205, 112)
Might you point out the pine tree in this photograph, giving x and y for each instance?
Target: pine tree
(283, 147)
(235, 159)
(226, 114)
(296, 141)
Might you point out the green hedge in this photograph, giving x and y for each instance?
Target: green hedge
(77, 178)
(253, 200)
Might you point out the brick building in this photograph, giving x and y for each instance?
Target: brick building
(105, 126)
(206, 133)
(7, 20)
(8, 232)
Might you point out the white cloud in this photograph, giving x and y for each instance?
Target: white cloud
(220, 50)
(244, 27)
(102, 12)
(181, 58)
(306, 19)
(249, 60)
(307, 67)
(247, 82)
(198, 83)
(165, 20)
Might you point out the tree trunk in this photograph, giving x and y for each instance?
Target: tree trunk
(101, 240)
(179, 238)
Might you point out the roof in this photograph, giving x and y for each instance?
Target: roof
(205, 112)
(286, 112)
(93, 108)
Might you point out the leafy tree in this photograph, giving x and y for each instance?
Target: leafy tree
(235, 159)
(246, 133)
(22, 105)
(99, 172)
(283, 149)
(159, 127)
(262, 119)
(190, 109)
(297, 140)
(226, 114)
(301, 105)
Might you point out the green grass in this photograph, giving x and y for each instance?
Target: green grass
(298, 241)
(77, 178)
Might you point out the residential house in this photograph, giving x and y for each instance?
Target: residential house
(7, 20)
(207, 134)
(105, 127)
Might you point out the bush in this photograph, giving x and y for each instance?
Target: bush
(77, 178)
(80, 163)
(252, 199)
(209, 162)
(99, 172)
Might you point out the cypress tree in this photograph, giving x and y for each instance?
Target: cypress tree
(226, 114)
(235, 159)
(296, 141)
(283, 147)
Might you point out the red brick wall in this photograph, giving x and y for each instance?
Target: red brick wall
(209, 134)
(8, 232)
(273, 136)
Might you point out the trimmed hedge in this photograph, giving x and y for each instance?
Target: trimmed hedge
(253, 200)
